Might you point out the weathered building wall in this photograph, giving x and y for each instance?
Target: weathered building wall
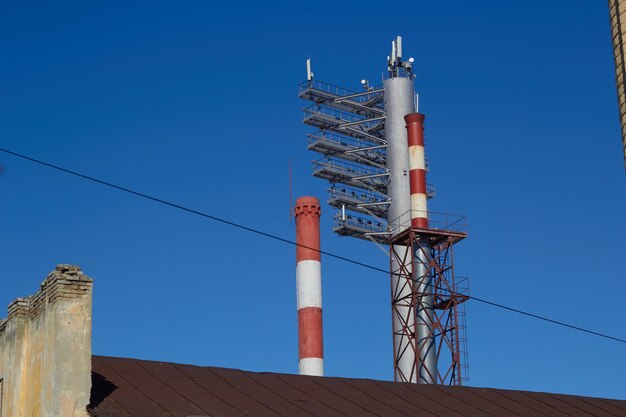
(45, 349)
(617, 14)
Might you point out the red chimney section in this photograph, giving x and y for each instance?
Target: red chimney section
(417, 169)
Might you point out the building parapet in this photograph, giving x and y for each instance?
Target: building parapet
(45, 348)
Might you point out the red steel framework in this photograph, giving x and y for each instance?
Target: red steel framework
(448, 328)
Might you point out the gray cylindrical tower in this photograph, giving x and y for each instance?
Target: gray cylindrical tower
(412, 319)
(398, 103)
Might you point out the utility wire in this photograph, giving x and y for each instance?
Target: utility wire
(559, 323)
(187, 209)
(288, 241)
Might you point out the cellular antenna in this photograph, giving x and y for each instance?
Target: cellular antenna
(395, 64)
(309, 73)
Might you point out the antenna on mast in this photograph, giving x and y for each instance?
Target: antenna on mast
(309, 73)
(397, 67)
(399, 47)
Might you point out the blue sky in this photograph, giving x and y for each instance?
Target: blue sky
(197, 103)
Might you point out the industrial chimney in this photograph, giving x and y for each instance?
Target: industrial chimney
(427, 355)
(309, 286)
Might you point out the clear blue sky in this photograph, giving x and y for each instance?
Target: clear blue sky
(197, 103)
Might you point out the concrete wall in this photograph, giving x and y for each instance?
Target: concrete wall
(617, 15)
(45, 349)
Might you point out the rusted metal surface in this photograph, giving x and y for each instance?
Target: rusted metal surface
(137, 388)
(440, 301)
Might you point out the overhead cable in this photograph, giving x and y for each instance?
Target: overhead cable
(288, 241)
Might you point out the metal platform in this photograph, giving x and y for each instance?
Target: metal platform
(348, 148)
(356, 199)
(442, 226)
(361, 227)
(351, 137)
(444, 295)
(328, 118)
(365, 103)
(337, 171)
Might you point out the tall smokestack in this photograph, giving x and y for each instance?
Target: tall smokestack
(417, 169)
(309, 286)
(426, 349)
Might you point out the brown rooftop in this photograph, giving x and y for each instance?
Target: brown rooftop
(138, 388)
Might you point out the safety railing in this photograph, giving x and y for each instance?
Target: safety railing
(351, 170)
(398, 72)
(339, 115)
(336, 140)
(437, 221)
(325, 87)
(359, 224)
(337, 91)
(358, 195)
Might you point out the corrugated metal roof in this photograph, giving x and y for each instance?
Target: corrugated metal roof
(138, 388)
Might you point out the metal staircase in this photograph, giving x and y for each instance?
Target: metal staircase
(350, 137)
(349, 148)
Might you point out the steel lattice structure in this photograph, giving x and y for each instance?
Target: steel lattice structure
(446, 307)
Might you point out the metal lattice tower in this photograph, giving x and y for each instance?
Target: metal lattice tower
(363, 142)
(442, 296)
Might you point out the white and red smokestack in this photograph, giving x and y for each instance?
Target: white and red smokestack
(424, 332)
(417, 169)
(309, 286)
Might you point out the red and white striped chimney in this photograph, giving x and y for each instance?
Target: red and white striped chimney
(417, 169)
(309, 286)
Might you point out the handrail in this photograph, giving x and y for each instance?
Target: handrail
(357, 169)
(337, 91)
(341, 140)
(358, 193)
(437, 221)
(358, 222)
(342, 116)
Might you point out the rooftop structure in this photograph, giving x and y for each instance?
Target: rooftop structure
(47, 369)
(137, 388)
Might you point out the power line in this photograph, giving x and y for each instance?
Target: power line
(288, 241)
(187, 209)
(536, 316)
